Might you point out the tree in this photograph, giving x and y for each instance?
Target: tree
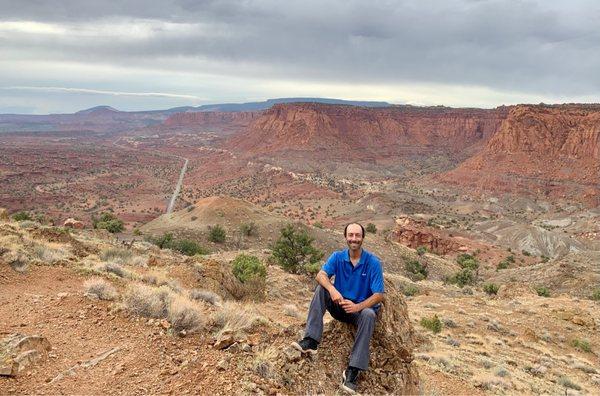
(294, 251)
(108, 221)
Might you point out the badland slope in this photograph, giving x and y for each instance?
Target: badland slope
(548, 150)
(359, 132)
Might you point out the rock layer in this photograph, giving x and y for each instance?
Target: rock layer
(546, 150)
(351, 131)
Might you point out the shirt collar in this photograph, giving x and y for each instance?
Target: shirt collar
(361, 261)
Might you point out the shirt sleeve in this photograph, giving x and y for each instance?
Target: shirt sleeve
(377, 278)
(329, 266)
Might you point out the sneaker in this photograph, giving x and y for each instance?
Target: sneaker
(350, 377)
(306, 345)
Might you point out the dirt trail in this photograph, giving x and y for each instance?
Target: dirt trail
(177, 187)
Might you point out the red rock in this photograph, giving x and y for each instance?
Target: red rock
(72, 223)
(351, 131)
(543, 150)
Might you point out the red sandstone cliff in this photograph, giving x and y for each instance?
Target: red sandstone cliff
(549, 150)
(349, 130)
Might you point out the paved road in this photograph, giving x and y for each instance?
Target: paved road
(177, 187)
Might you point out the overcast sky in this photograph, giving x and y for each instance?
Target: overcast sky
(66, 55)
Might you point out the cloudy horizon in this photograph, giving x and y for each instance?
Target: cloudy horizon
(64, 56)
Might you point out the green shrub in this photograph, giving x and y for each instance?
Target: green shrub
(545, 258)
(582, 345)
(248, 229)
(294, 251)
(491, 288)
(542, 291)
(416, 270)
(525, 253)
(163, 241)
(216, 234)
(184, 246)
(372, 228)
(467, 261)
(502, 265)
(187, 247)
(108, 221)
(433, 323)
(596, 295)
(463, 277)
(318, 224)
(246, 267)
(510, 258)
(410, 290)
(22, 216)
(137, 232)
(421, 250)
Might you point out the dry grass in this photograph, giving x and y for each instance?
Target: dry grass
(151, 302)
(100, 289)
(47, 254)
(154, 278)
(291, 310)
(17, 261)
(185, 315)
(237, 318)
(206, 296)
(116, 255)
(263, 361)
(116, 269)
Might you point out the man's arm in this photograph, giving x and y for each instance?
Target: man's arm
(351, 307)
(323, 279)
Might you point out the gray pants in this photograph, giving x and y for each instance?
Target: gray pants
(364, 320)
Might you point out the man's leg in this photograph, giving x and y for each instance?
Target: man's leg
(365, 323)
(318, 305)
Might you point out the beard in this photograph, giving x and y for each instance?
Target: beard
(354, 245)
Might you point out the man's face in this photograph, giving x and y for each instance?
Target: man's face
(354, 237)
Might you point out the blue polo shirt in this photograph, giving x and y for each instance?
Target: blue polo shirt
(355, 283)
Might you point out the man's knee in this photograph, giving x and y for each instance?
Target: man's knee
(368, 314)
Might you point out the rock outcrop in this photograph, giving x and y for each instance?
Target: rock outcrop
(72, 223)
(351, 131)
(545, 150)
(413, 233)
(391, 370)
(18, 352)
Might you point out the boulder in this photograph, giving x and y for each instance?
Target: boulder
(18, 352)
(391, 368)
(72, 223)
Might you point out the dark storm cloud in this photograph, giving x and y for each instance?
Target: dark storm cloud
(537, 47)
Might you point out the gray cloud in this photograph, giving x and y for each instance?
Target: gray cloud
(543, 48)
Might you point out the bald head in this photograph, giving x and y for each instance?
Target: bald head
(354, 234)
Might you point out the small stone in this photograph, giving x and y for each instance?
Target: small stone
(165, 324)
(253, 339)
(225, 340)
(292, 354)
(223, 365)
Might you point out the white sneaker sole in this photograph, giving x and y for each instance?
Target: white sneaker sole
(344, 387)
(297, 346)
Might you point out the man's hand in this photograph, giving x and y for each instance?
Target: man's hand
(350, 307)
(336, 296)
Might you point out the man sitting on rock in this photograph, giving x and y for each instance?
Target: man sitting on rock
(354, 297)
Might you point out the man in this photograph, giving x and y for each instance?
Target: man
(354, 297)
